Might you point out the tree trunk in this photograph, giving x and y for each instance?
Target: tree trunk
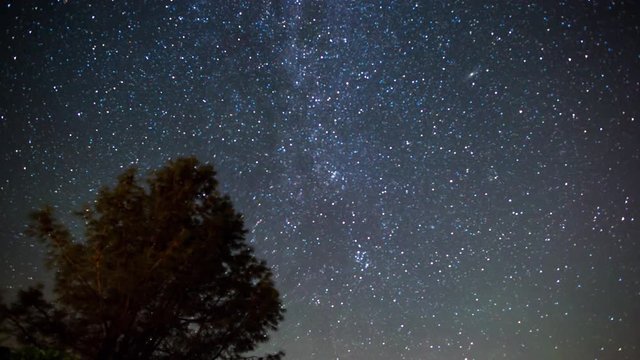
(107, 349)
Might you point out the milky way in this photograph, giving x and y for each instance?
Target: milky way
(428, 180)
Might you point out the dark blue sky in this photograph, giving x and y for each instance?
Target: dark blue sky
(428, 180)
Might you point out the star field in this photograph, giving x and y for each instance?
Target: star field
(427, 179)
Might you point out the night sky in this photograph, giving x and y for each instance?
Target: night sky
(427, 179)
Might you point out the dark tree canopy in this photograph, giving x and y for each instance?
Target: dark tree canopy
(164, 272)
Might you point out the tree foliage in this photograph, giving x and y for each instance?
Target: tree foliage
(33, 353)
(163, 272)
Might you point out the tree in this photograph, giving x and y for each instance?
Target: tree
(164, 272)
(31, 353)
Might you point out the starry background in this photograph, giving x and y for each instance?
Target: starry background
(428, 180)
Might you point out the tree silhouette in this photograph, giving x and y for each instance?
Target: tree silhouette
(164, 272)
